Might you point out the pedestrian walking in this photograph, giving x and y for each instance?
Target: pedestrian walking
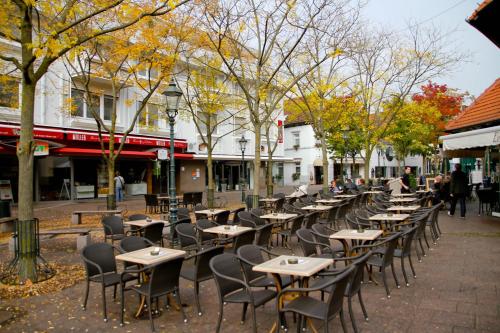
(119, 185)
(458, 190)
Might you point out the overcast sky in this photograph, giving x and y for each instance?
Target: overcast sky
(484, 65)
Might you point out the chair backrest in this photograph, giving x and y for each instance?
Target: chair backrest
(251, 253)
(306, 241)
(357, 278)
(279, 195)
(133, 243)
(222, 218)
(226, 264)
(336, 298)
(258, 212)
(244, 238)
(135, 217)
(296, 224)
(279, 204)
(249, 201)
(199, 207)
(186, 232)
(204, 224)
(187, 198)
(310, 219)
(113, 225)
(154, 200)
(392, 243)
(236, 217)
(246, 219)
(183, 211)
(202, 259)
(165, 276)
(100, 254)
(263, 235)
(154, 232)
(321, 234)
(407, 240)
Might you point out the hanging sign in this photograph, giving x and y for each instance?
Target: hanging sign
(162, 154)
(280, 131)
(41, 148)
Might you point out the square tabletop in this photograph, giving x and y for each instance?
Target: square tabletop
(328, 201)
(317, 207)
(372, 192)
(278, 216)
(402, 208)
(402, 200)
(233, 230)
(268, 199)
(144, 256)
(306, 266)
(403, 195)
(421, 191)
(178, 197)
(346, 196)
(143, 223)
(389, 217)
(210, 212)
(367, 234)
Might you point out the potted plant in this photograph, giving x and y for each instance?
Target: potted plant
(296, 147)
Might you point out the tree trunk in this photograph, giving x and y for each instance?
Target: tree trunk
(210, 175)
(324, 154)
(368, 156)
(111, 202)
(25, 154)
(256, 166)
(269, 177)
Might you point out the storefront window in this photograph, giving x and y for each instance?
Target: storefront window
(77, 101)
(108, 107)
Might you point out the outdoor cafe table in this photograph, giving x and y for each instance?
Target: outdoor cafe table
(352, 234)
(388, 218)
(269, 202)
(403, 195)
(372, 192)
(328, 201)
(402, 208)
(320, 208)
(144, 257)
(210, 212)
(402, 200)
(344, 196)
(143, 223)
(233, 230)
(304, 268)
(278, 216)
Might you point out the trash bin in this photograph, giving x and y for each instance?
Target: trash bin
(4, 208)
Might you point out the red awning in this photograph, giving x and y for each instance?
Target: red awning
(97, 152)
(124, 153)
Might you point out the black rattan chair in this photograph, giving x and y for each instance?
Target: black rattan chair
(199, 271)
(263, 235)
(310, 307)
(100, 267)
(163, 280)
(113, 228)
(233, 288)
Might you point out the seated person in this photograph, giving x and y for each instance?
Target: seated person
(350, 185)
(361, 185)
(334, 187)
(437, 190)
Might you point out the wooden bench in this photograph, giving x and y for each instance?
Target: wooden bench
(76, 217)
(7, 224)
(83, 239)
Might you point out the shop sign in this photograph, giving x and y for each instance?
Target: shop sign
(280, 131)
(41, 148)
(162, 154)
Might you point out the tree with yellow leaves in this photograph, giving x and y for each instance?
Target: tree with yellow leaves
(38, 33)
(211, 104)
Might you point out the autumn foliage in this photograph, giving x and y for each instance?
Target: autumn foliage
(440, 97)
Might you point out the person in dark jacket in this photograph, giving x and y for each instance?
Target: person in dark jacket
(458, 190)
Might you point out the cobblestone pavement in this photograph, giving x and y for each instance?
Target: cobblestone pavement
(457, 290)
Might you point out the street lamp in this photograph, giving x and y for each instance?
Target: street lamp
(173, 96)
(379, 152)
(243, 144)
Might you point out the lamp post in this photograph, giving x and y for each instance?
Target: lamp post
(379, 152)
(243, 144)
(172, 96)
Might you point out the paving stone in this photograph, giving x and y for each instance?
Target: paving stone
(459, 319)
